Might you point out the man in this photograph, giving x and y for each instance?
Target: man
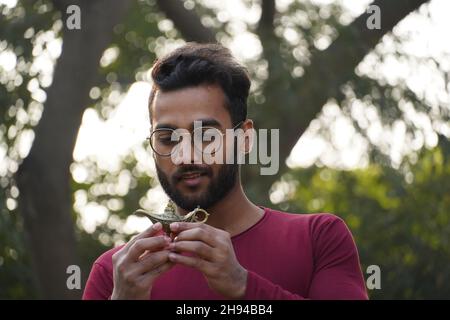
(243, 251)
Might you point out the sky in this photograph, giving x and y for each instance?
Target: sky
(127, 125)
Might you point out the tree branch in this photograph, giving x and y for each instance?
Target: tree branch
(267, 15)
(333, 67)
(186, 21)
(269, 41)
(323, 78)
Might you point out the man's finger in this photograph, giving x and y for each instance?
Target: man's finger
(146, 244)
(197, 247)
(149, 277)
(194, 262)
(149, 232)
(152, 261)
(180, 226)
(207, 235)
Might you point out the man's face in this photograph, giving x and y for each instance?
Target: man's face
(187, 183)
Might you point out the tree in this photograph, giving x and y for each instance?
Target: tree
(133, 32)
(399, 218)
(47, 215)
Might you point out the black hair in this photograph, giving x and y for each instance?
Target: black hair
(195, 64)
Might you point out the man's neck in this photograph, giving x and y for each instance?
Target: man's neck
(234, 213)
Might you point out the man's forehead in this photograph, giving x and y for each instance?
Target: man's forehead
(180, 108)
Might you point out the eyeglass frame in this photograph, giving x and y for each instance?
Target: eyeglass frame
(191, 134)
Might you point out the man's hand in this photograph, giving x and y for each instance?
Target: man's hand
(139, 263)
(213, 256)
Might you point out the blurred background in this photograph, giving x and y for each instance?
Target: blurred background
(363, 117)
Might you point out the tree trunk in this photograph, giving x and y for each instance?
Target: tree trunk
(44, 176)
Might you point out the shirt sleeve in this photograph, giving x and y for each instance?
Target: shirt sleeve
(99, 285)
(337, 273)
(259, 288)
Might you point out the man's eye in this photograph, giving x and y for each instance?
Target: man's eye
(166, 140)
(208, 135)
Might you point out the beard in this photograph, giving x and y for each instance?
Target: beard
(216, 190)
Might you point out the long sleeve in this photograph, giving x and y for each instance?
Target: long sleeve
(99, 284)
(337, 273)
(259, 288)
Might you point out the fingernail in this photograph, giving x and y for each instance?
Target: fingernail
(157, 226)
(174, 226)
(172, 256)
(175, 239)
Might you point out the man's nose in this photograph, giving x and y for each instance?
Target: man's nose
(186, 153)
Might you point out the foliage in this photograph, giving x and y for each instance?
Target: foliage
(399, 215)
(400, 221)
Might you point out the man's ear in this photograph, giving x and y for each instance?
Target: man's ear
(249, 134)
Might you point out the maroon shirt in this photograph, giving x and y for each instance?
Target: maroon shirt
(288, 256)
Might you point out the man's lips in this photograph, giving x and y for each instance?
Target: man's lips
(191, 175)
(192, 178)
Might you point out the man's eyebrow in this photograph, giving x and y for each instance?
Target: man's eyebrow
(211, 122)
(165, 126)
(208, 122)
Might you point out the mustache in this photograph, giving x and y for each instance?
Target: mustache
(206, 170)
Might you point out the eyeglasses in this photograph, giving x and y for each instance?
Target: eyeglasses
(207, 140)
